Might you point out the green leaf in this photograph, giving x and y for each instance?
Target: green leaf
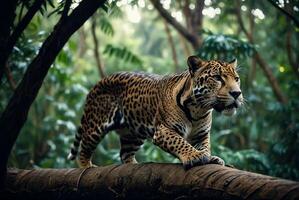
(106, 26)
(122, 53)
(224, 47)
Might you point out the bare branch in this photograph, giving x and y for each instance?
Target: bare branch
(171, 20)
(96, 48)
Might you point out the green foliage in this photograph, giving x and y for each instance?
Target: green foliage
(122, 53)
(58, 9)
(113, 10)
(106, 26)
(224, 47)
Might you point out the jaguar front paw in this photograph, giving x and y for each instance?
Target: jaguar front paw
(200, 160)
(216, 160)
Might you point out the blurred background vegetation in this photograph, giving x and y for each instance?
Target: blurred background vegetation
(133, 35)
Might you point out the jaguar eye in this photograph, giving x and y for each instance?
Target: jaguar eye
(237, 79)
(218, 78)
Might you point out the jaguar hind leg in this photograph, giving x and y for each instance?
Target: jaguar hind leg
(89, 143)
(102, 115)
(129, 145)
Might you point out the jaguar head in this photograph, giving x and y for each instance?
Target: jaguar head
(215, 84)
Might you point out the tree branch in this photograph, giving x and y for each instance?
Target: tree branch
(96, 48)
(197, 15)
(292, 61)
(15, 113)
(82, 42)
(9, 77)
(287, 14)
(171, 20)
(252, 72)
(262, 63)
(172, 47)
(241, 23)
(186, 12)
(66, 8)
(185, 47)
(12, 40)
(7, 16)
(146, 181)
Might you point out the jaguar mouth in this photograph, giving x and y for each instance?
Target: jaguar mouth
(226, 110)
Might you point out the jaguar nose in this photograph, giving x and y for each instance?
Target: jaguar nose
(235, 94)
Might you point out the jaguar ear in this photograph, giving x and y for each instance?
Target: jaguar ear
(233, 63)
(194, 63)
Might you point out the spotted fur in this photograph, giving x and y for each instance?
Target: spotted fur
(174, 111)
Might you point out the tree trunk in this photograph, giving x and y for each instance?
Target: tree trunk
(146, 181)
(15, 113)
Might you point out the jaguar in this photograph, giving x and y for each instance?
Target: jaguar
(174, 111)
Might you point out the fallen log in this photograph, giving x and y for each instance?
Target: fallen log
(146, 181)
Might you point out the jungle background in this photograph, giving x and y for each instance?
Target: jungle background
(157, 37)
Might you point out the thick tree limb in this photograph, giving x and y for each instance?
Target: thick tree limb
(146, 181)
(15, 113)
(66, 8)
(171, 20)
